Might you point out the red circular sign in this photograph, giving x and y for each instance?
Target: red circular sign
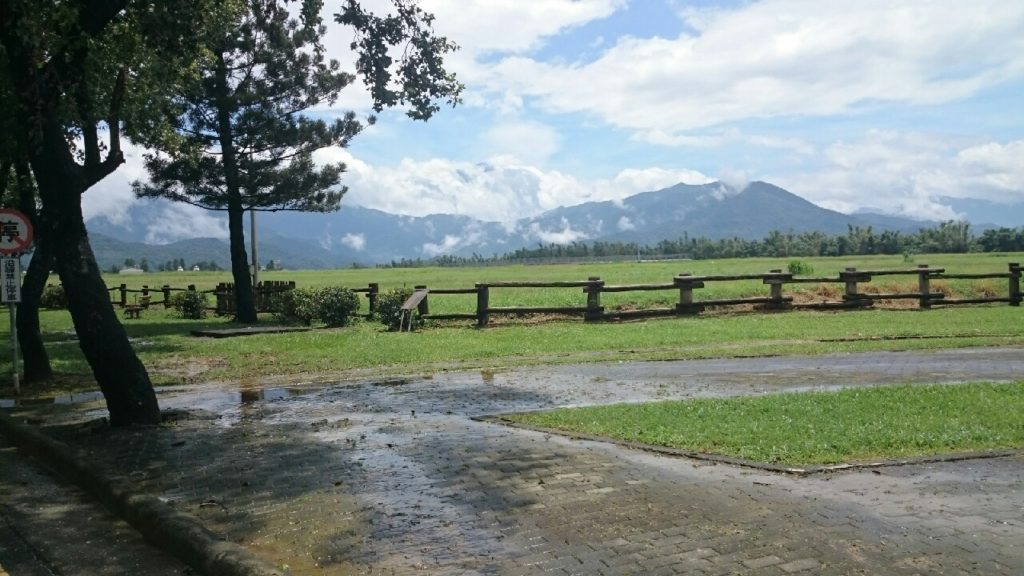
(15, 231)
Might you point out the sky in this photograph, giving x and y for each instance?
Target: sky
(909, 108)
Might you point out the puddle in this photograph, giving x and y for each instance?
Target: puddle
(249, 396)
(393, 382)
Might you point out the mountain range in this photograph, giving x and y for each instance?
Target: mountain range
(361, 235)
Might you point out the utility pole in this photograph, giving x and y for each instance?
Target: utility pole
(255, 258)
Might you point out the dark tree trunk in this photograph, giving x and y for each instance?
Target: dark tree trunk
(30, 338)
(245, 304)
(41, 93)
(118, 371)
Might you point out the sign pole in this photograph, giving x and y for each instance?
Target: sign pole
(10, 277)
(15, 238)
(14, 346)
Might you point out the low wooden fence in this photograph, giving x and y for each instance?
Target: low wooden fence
(854, 289)
(124, 296)
(265, 293)
(688, 286)
(224, 295)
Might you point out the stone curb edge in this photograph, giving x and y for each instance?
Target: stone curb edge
(173, 531)
(503, 420)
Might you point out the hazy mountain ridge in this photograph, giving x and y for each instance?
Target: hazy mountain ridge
(362, 235)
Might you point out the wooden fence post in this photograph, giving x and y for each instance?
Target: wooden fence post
(686, 286)
(167, 295)
(424, 306)
(225, 298)
(924, 286)
(775, 282)
(1015, 296)
(124, 295)
(483, 298)
(594, 309)
(145, 292)
(850, 277)
(371, 295)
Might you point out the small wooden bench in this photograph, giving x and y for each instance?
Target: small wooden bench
(135, 310)
(409, 309)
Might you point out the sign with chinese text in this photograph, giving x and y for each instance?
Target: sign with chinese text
(15, 232)
(10, 274)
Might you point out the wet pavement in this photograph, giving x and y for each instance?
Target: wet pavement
(394, 477)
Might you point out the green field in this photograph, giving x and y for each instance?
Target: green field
(173, 356)
(809, 428)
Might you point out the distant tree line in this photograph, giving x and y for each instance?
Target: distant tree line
(951, 237)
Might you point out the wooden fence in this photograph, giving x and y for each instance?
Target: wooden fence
(688, 286)
(265, 293)
(855, 295)
(120, 294)
(224, 295)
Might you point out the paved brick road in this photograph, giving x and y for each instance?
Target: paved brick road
(394, 478)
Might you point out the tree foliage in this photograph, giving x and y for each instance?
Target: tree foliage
(244, 139)
(76, 74)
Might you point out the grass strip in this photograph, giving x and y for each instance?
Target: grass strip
(815, 428)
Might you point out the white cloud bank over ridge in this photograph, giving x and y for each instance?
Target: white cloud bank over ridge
(911, 174)
(500, 190)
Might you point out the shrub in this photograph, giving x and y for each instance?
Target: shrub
(297, 305)
(389, 308)
(190, 304)
(800, 268)
(54, 298)
(336, 305)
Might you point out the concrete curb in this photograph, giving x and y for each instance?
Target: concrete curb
(173, 531)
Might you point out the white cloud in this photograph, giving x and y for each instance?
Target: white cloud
(625, 224)
(782, 58)
(181, 221)
(503, 189)
(482, 26)
(529, 142)
(451, 243)
(912, 174)
(112, 196)
(566, 235)
(356, 242)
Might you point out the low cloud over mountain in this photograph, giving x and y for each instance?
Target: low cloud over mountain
(363, 235)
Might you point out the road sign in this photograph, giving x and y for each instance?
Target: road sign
(10, 280)
(15, 232)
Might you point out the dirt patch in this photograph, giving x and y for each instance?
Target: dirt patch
(183, 370)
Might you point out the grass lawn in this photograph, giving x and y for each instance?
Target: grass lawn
(173, 357)
(814, 428)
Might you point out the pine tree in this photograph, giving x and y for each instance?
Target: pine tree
(244, 141)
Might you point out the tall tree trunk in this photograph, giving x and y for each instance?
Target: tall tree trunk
(30, 338)
(119, 372)
(245, 304)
